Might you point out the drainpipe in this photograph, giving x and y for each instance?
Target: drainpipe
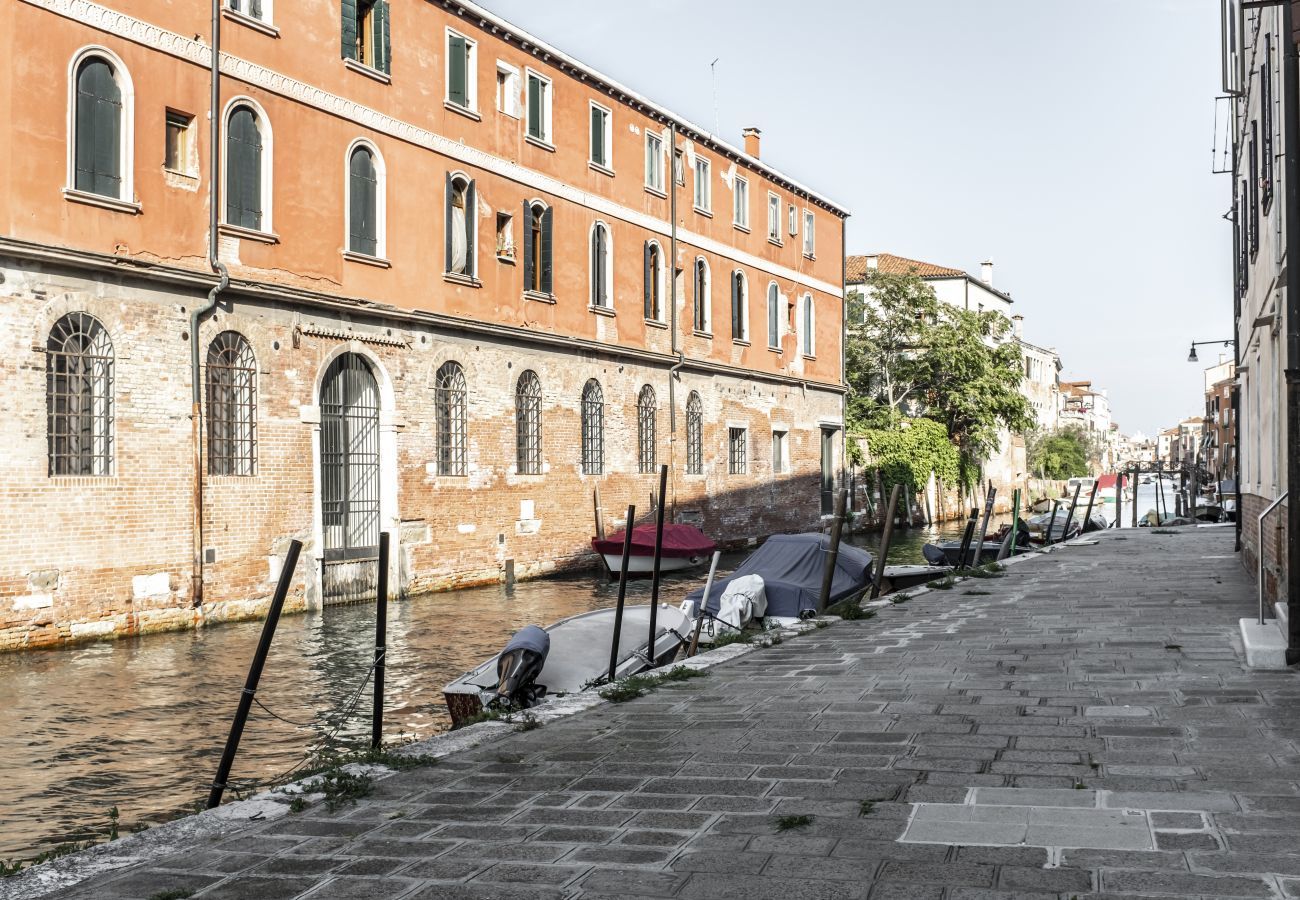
(844, 372)
(1291, 138)
(196, 393)
(672, 306)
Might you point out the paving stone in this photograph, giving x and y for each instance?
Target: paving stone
(1184, 885)
(1177, 820)
(711, 886)
(1182, 840)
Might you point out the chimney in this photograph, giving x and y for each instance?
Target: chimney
(873, 262)
(986, 272)
(752, 137)
(1018, 325)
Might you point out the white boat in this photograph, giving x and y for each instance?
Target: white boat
(578, 657)
(683, 546)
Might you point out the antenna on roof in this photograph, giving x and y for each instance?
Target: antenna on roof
(713, 70)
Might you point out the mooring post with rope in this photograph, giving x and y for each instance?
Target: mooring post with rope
(658, 560)
(622, 591)
(381, 643)
(254, 675)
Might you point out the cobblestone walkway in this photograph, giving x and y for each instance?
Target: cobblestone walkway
(1080, 727)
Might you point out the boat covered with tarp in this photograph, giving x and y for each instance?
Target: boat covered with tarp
(792, 568)
(566, 657)
(683, 546)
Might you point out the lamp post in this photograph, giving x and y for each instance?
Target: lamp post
(1236, 452)
(1191, 357)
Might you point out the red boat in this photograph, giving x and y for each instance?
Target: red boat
(684, 546)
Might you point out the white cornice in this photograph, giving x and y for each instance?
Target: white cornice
(194, 51)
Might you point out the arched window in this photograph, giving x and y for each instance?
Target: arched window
(537, 247)
(79, 397)
(739, 306)
(807, 327)
(365, 201)
(694, 434)
(654, 282)
(528, 424)
(449, 415)
(232, 405)
(101, 139)
(702, 299)
(461, 218)
(773, 316)
(247, 170)
(602, 288)
(645, 430)
(593, 428)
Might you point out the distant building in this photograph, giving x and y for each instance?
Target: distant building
(1089, 410)
(1220, 438)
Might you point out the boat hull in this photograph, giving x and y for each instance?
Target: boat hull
(644, 565)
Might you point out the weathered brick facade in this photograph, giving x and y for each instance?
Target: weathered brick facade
(1275, 546)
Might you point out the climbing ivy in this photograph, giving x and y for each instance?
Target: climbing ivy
(906, 455)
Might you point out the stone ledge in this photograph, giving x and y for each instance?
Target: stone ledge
(1265, 644)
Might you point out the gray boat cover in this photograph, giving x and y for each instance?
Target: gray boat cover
(530, 637)
(792, 567)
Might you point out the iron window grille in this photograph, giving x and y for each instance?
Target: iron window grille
(232, 406)
(79, 397)
(694, 435)
(528, 424)
(645, 431)
(737, 457)
(449, 413)
(593, 429)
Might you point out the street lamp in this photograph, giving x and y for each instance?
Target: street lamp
(1191, 357)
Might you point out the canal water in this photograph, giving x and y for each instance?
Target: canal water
(140, 723)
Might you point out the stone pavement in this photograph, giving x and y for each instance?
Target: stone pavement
(1081, 727)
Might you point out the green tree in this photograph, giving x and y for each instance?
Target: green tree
(908, 453)
(885, 348)
(1059, 453)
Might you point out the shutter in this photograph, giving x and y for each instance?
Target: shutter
(108, 141)
(457, 64)
(649, 274)
(234, 185)
(471, 227)
(84, 163)
(447, 233)
(529, 262)
(545, 262)
(597, 138)
(349, 29)
(251, 175)
(370, 219)
(735, 307)
(356, 205)
(383, 43)
(534, 107)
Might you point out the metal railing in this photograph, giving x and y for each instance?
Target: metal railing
(1259, 551)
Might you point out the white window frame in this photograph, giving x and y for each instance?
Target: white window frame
(381, 201)
(548, 105)
(268, 147)
(658, 186)
(773, 312)
(706, 300)
(471, 226)
(506, 251)
(591, 272)
(126, 149)
(792, 219)
(471, 70)
(660, 275)
(508, 101)
(809, 233)
(264, 22)
(703, 185)
(190, 168)
(607, 138)
(808, 326)
(774, 217)
(740, 203)
(743, 338)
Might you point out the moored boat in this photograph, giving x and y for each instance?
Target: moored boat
(684, 546)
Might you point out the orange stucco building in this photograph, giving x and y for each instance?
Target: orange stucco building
(437, 302)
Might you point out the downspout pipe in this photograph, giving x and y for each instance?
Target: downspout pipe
(197, 314)
(1291, 136)
(672, 307)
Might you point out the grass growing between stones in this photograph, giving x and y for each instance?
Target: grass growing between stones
(866, 807)
(790, 823)
(851, 610)
(988, 570)
(942, 584)
(640, 685)
(900, 598)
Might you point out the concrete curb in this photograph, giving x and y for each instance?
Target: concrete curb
(183, 834)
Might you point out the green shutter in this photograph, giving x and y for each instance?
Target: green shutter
(597, 137)
(545, 262)
(471, 219)
(362, 232)
(97, 160)
(735, 308)
(450, 227)
(383, 42)
(349, 29)
(529, 262)
(534, 107)
(649, 274)
(457, 65)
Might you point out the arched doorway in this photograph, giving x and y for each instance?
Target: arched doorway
(349, 458)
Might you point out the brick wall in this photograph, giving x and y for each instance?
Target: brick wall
(1274, 550)
(91, 557)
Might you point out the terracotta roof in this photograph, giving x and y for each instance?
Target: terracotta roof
(897, 265)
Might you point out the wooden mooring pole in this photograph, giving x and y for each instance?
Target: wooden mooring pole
(1074, 505)
(381, 643)
(622, 590)
(254, 675)
(885, 537)
(837, 530)
(659, 550)
(989, 498)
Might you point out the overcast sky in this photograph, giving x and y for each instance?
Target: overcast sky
(1070, 143)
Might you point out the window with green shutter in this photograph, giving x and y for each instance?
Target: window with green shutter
(600, 136)
(363, 203)
(244, 203)
(366, 33)
(98, 137)
(537, 247)
(460, 71)
(539, 107)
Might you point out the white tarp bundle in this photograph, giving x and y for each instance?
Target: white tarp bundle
(742, 600)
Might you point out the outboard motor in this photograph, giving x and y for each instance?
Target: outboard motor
(518, 667)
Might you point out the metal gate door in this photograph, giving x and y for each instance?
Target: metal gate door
(349, 459)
